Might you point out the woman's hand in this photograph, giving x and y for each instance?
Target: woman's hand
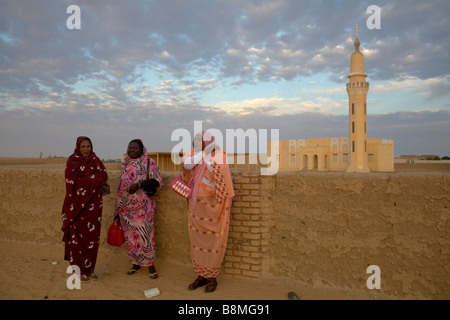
(210, 147)
(134, 187)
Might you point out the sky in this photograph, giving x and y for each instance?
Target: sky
(143, 69)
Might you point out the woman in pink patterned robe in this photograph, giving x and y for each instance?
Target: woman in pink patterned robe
(136, 206)
(208, 208)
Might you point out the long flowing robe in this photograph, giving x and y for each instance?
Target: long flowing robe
(82, 209)
(136, 211)
(209, 215)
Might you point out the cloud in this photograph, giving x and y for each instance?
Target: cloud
(146, 68)
(431, 87)
(262, 41)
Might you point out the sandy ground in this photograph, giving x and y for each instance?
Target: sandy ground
(37, 272)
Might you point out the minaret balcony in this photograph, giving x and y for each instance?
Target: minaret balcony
(358, 84)
(357, 87)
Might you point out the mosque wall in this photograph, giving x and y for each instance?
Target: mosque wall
(332, 154)
(320, 228)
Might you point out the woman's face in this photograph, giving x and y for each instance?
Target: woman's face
(134, 151)
(198, 143)
(85, 148)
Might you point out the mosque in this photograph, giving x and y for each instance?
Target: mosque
(355, 153)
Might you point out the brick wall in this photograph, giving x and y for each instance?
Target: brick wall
(244, 250)
(249, 224)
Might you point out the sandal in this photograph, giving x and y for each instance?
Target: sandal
(153, 273)
(211, 286)
(84, 278)
(93, 276)
(133, 270)
(199, 282)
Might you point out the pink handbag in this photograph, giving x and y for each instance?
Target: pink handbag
(181, 188)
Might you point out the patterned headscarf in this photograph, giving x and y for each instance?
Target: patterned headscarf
(222, 176)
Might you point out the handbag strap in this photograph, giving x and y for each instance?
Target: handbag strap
(148, 168)
(182, 174)
(191, 181)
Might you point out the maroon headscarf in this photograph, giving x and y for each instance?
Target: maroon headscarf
(77, 146)
(76, 162)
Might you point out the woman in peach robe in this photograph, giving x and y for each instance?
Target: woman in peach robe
(208, 208)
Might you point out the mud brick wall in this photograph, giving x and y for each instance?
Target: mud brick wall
(319, 228)
(246, 242)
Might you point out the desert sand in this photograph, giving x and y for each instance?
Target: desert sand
(37, 272)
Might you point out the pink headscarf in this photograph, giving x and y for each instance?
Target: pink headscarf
(197, 172)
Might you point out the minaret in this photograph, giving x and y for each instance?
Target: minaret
(357, 89)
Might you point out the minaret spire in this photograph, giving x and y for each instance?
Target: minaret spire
(357, 43)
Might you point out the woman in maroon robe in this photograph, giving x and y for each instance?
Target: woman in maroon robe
(82, 209)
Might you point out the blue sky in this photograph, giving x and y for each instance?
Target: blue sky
(142, 69)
